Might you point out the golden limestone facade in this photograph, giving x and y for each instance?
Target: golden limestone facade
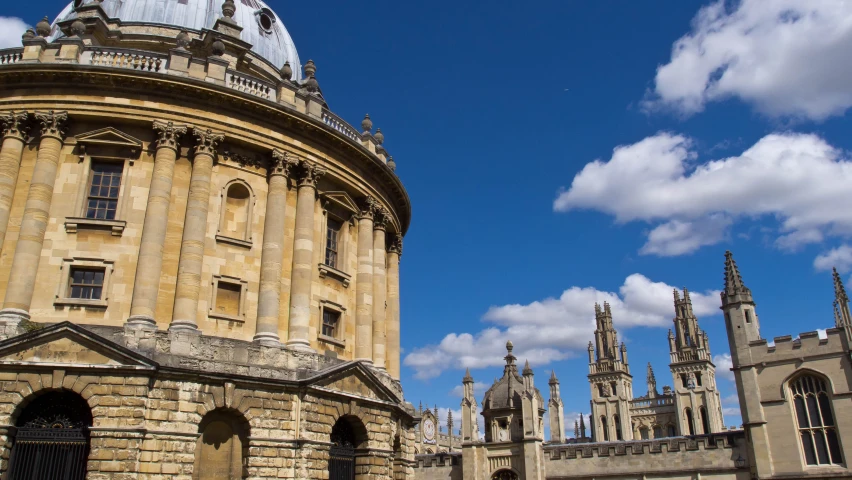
(200, 261)
(794, 396)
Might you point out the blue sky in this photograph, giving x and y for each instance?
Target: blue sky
(559, 153)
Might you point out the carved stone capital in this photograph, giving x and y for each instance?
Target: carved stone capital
(396, 245)
(368, 208)
(206, 141)
(53, 123)
(168, 134)
(282, 163)
(15, 125)
(310, 174)
(380, 218)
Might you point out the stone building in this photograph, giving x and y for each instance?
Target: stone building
(429, 435)
(200, 261)
(793, 393)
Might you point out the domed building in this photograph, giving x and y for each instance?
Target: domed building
(200, 261)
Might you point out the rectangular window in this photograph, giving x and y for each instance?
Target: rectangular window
(86, 283)
(748, 316)
(104, 184)
(330, 322)
(228, 299)
(332, 238)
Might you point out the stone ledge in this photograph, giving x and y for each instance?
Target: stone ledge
(73, 224)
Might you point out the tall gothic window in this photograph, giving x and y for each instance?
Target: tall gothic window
(604, 428)
(817, 430)
(705, 422)
(617, 423)
(690, 422)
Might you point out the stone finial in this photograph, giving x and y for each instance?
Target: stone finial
(379, 136)
(553, 379)
(287, 72)
(310, 68)
(43, 27)
(527, 369)
(366, 124)
(28, 35)
(183, 40)
(218, 47)
(509, 347)
(391, 164)
(733, 279)
(467, 377)
(229, 9)
(78, 28)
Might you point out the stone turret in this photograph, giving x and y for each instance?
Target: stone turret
(610, 381)
(470, 428)
(652, 382)
(557, 414)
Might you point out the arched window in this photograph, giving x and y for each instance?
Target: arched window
(222, 447)
(705, 422)
(815, 419)
(690, 422)
(617, 423)
(52, 438)
(658, 431)
(504, 475)
(604, 428)
(235, 215)
(672, 431)
(644, 433)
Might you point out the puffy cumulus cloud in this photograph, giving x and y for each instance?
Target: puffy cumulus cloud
(11, 30)
(784, 57)
(478, 389)
(554, 328)
(798, 179)
(840, 257)
(723, 366)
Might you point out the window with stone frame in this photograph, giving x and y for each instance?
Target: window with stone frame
(86, 283)
(330, 323)
(818, 434)
(332, 242)
(331, 328)
(228, 298)
(235, 214)
(104, 186)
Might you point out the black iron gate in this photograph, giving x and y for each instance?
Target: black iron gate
(52, 439)
(341, 462)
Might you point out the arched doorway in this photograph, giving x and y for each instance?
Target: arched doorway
(341, 462)
(504, 475)
(52, 438)
(222, 446)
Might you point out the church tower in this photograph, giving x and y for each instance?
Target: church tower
(470, 427)
(697, 399)
(557, 414)
(610, 381)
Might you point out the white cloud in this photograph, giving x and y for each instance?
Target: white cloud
(724, 364)
(784, 57)
(554, 328)
(840, 257)
(797, 179)
(11, 30)
(478, 389)
(731, 400)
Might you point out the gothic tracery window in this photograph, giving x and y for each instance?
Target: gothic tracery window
(815, 419)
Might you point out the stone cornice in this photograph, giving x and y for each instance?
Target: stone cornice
(276, 116)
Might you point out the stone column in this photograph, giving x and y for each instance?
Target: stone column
(19, 292)
(379, 289)
(303, 258)
(364, 283)
(272, 253)
(14, 138)
(149, 265)
(194, 231)
(392, 322)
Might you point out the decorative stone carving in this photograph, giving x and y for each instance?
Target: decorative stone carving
(367, 124)
(53, 123)
(78, 28)
(391, 164)
(380, 218)
(206, 141)
(183, 40)
(282, 163)
(218, 48)
(28, 35)
(287, 71)
(43, 27)
(15, 124)
(311, 172)
(396, 245)
(368, 206)
(255, 161)
(228, 9)
(379, 136)
(168, 134)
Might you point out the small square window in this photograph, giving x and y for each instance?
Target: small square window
(86, 283)
(330, 323)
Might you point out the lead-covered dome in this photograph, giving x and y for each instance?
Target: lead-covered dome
(262, 28)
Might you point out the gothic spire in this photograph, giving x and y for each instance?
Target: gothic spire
(576, 429)
(553, 379)
(735, 290)
(842, 316)
(582, 426)
(527, 369)
(467, 377)
(652, 382)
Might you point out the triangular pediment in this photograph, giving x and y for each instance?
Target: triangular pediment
(109, 136)
(69, 345)
(355, 379)
(341, 200)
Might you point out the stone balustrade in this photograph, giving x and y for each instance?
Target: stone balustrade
(340, 125)
(10, 56)
(130, 59)
(252, 86)
(652, 402)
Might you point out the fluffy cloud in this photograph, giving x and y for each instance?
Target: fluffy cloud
(784, 57)
(478, 389)
(554, 328)
(723, 366)
(840, 257)
(797, 179)
(11, 29)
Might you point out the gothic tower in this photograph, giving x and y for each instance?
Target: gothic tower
(610, 381)
(699, 406)
(652, 382)
(470, 428)
(557, 414)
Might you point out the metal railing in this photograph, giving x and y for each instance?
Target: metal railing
(250, 85)
(11, 55)
(130, 59)
(340, 125)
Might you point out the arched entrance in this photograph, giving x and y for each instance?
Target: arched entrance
(52, 438)
(341, 462)
(504, 475)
